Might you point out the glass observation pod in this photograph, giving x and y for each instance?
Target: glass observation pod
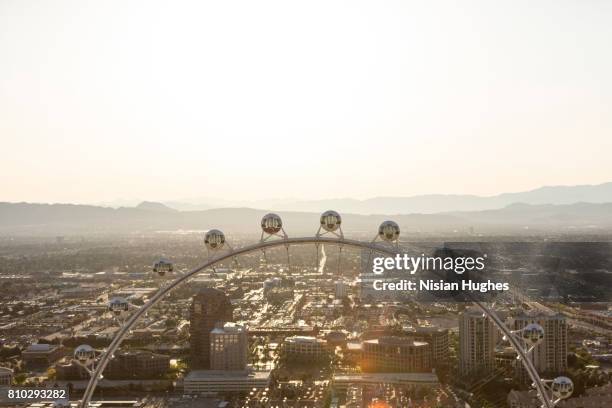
(389, 231)
(84, 353)
(162, 266)
(271, 223)
(118, 305)
(214, 239)
(330, 220)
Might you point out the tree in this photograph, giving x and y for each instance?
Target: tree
(51, 373)
(20, 378)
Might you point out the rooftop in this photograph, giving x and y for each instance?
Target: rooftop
(40, 347)
(229, 327)
(387, 377)
(303, 339)
(226, 374)
(400, 341)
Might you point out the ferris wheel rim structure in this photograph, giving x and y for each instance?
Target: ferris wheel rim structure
(374, 247)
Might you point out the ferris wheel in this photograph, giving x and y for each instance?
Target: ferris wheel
(385, 242)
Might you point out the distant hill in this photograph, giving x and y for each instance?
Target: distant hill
(436, 203)
(43, 219)
(152, 206)
(546, 216)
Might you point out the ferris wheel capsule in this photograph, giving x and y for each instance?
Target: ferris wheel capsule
(118, 305)
(389, 231)
(271, 224)
(162, 266)
(214, 239)
(562, 387)
(331, 221)
(84, 353)
(533, 333)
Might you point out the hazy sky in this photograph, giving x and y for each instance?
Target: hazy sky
(252, 99)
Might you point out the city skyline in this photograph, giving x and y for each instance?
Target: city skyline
(325, 204)
(296, 326)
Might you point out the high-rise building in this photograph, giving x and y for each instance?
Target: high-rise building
(550, 355)
(477, 339)
(209, 307)
(396, 354)
(229, 347)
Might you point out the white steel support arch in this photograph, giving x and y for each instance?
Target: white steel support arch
(372, 246)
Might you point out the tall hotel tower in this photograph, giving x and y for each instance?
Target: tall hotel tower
(208, 308)
(550, 355)
(477, 340)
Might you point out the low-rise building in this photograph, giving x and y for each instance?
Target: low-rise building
(137, 364)
(229, 347)
(41, 356)
(211, 382)
(396, 354)
(438, 339)
(305, 347)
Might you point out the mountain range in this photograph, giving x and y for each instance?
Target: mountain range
(421, 204)
(558, 209)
